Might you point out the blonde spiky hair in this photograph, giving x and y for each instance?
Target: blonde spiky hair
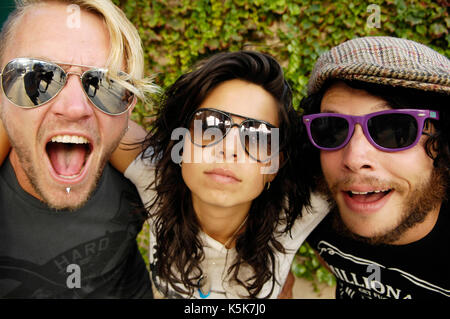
(126, 45)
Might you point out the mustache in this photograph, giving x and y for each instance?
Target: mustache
(347, 181)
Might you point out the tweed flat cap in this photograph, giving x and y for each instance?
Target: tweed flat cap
(383, 60)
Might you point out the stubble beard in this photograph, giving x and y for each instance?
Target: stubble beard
(425, 198)
(56, 202)
(53, 201)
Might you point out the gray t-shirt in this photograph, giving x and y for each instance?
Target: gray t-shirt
(89, 253)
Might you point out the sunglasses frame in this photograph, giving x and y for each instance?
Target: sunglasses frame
(80, 75)
(419, 115)
(233, 124)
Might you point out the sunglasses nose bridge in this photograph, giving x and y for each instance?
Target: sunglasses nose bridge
(234, 125)
(353, 121)
(74, 73)
(230, 128)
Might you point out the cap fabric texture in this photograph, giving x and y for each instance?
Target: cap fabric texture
(383, 60)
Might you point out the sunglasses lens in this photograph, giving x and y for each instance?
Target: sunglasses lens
(393, 130)
(329, 131)
(107, 94)
(257, 138)
(31, 83)
(208, 127)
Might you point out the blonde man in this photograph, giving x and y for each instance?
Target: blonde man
(71, 72)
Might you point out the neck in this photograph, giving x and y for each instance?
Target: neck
(420, 230)
(223, 224)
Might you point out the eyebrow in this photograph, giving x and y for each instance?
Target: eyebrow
(46, 59)
(374, 108)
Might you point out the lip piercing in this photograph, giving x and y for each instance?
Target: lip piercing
(68, 190)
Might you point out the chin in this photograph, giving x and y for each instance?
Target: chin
(67, 205)
(60, 199)
(366, 231)
(57, 196)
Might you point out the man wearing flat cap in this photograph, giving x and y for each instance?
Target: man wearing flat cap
(377, 121)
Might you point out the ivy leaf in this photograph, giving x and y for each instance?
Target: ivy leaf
(299, 270)
(303, 250)
(176, 24)
(401, 6)
(306, 24)
(293, 9)
(324, 276)
(213, 44)
(421, 29)
(437, 30)
(315, 262)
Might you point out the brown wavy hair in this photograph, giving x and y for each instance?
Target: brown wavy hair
(180, 251)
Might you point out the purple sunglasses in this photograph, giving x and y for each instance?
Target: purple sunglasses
(391, 131)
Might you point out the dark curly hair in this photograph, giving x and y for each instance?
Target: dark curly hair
(437, 145)
(180, 251)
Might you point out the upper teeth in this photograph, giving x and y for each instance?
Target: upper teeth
(70, 139)
(365, 193)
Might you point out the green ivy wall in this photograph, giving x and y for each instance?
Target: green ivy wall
(177, 33)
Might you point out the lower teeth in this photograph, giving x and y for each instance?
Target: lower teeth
(70, 177)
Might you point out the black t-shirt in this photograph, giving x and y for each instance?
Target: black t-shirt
(417, 270)
(88, 253)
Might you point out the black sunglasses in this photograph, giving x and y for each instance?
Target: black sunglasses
(30, 83)
(209, 126)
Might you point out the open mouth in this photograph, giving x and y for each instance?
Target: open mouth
(368, 197)
(68, 155)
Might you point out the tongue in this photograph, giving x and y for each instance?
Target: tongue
(67, 159)
(369, 198)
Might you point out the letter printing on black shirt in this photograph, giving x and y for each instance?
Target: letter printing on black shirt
(98, 241)
(416, 270)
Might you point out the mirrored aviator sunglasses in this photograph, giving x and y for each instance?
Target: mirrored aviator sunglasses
(30, 83)
(260, 139)
(390, 131)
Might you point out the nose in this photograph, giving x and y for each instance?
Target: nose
(359, 153)
(230, 148)
(71, 104)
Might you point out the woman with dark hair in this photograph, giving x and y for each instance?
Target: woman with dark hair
(229, 224)
(219, 176)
